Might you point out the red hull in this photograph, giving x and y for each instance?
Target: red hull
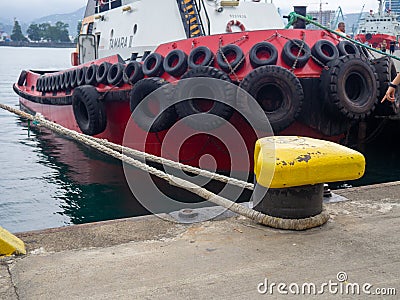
(190, 152)
(375, 39)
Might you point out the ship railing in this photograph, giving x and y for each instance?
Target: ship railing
(201, 6)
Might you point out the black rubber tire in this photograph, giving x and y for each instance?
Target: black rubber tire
(48, 83)
(290, 58)
(62, 81)
(153, 65)
(269, 48)
(90, 76)
(58, 82)
(80, 76)
(350, 86)
(22, 78)
(89, 111)
(74, 78)
(202, 53)
(67, 80)
(192, 106)
(386, 70)
(144, 118)
(346, 47)
(42, 83)
(280, 85)
(115, 74)
(324, 51)
(53, 83)
(39, 84)
(102, 72)
(176, 63)
(45, 84)
(238, 61)
(133, 72)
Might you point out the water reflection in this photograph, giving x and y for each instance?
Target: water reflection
(381, 155)
(92, 186)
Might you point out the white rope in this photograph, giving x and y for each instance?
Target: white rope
(291, 224)
(174, 164)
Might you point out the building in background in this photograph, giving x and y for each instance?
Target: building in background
(395, 6)
(4, 36)
(324, 17)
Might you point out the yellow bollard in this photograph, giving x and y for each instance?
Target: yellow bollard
(10, 244)
(300, 166)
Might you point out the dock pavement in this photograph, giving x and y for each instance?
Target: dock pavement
(355, 255)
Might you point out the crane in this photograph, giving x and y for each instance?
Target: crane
(355, 26)
(335, 21)
(320, 11)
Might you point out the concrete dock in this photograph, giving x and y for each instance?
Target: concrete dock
(232, 258)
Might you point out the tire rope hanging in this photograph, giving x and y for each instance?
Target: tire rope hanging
(289, 224)
(278, 35)
(232, 70)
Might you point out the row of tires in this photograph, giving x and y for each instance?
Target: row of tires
(349, 88)
(177, 62)
(105, 73)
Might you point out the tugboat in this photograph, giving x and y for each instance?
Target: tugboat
(376, 27)
(307, 82)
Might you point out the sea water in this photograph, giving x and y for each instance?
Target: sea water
(46, 180)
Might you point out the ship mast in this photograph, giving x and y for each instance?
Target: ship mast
(380, 8)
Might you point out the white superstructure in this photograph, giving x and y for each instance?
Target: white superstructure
(382, 22)
(136, 27)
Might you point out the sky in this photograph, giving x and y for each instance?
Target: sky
(39, 8)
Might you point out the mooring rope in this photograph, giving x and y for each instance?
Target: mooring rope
(174, 164)
(290, 224)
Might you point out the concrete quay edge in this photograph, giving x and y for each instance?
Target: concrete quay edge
(150, 258)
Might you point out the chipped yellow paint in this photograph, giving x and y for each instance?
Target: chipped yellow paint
(10, 244)
(302, 161)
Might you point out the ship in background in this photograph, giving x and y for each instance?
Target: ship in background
(376, 27)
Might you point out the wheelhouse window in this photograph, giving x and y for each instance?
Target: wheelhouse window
(104, 5)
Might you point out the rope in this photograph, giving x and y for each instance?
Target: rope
(300, 46)
(173, 164)
(298, 54)
(289, 224)
(232, 70)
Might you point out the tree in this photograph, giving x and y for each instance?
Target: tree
(56, 33)
(62, 32)
(16, 34)
(79, 27)
(78, 31)
(34, 32)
